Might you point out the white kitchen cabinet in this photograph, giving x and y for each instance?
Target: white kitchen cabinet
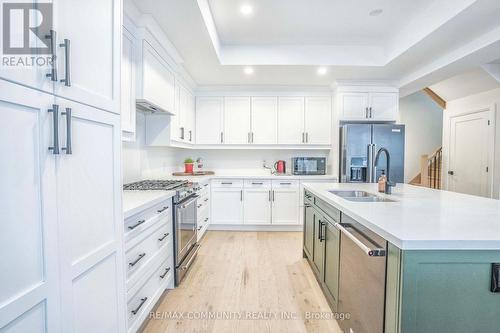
(91, 62)
(353, 105)
(190, 119)
(179, 122)
(257, 202)
(127, 107)
(237, 120)
(384, 106)
(318, 120)
(291, 120)
(209, 120)
(155, 80)
(285, 202)
(368, 106)
(227, 205)
(264, 120)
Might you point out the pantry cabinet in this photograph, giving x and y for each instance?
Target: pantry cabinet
(209, 120)
(237, 128)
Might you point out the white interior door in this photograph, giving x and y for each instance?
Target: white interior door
(93, 28)
(209, 112)
(227, 206)
(236, 120)
(318, 120)
(257, 206)
(264, 120)
(353, 105)
(470, 143)
(90, 222)
(291, 120)
(29, 298)
(384, 106)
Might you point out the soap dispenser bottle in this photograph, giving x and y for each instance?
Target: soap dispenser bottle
(382, 182)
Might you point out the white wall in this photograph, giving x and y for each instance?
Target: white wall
(141, 162)
(424, 126)
(484, 100)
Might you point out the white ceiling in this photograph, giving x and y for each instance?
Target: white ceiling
(465, 84)
(413, 43)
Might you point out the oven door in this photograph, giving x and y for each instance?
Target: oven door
(185, 227)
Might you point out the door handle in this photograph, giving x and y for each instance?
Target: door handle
(67, 62)
(68, 114)
(55, 119)
(53, 40)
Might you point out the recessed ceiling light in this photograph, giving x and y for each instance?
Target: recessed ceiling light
(376, 12)
(322, 70)
(246, 9)
(248, 70)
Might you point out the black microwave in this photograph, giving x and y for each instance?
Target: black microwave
(309, 165)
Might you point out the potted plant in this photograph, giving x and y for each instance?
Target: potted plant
(188, 165)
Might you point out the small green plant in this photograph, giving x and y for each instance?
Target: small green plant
(188, 160)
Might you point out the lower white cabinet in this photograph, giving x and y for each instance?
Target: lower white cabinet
(63, 268)
(203, 209)
(227, 204)
(285, 199)
(257, 202)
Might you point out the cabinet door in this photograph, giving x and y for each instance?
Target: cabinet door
(90, 222)
(308, 231)
(190, 131)
(180, 120)
(319, 245)
(29, 295)
(32, 76)
(264, 120)
(236, 120)
(353, 106)
(209, 111)
(291, 120)
(332, 262)
(384, 106)
(318, 120)
(227, 206)
(94, 63)
(257, 206)
(285, 205)
(127, 108)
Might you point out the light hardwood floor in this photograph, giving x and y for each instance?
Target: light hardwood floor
(252, 274)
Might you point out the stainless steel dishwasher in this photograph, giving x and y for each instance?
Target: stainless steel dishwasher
(362, 277)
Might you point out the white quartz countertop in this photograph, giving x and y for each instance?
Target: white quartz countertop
(252, 176)
(136, 201)
(422, 218)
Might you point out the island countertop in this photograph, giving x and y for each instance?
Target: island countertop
(422, 218)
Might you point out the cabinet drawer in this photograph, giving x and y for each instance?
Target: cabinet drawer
(257, 183)
(140, 222)
(142, 300)
(202, 203)
(203, 219)
(285, 183)
(218, 183)
(141, 253)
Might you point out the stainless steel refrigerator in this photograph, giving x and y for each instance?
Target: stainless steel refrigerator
(359, 144)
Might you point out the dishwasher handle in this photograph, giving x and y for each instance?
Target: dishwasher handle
(371, 252)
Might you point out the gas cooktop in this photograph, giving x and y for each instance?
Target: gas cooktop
(155, 185)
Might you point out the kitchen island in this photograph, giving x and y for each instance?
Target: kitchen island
(426, 261)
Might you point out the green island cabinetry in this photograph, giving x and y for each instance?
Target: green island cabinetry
(427, 291)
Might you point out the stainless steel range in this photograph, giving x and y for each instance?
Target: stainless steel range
(184, 217)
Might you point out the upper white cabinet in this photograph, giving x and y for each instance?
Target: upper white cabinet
(318, 120)
(182, 124)
(127, 106)
(209, 120)
(372, 104)
(264, 120)
(237, 120)
(155, 81)
(291, 120)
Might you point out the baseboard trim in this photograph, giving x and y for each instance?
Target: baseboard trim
(246, 227)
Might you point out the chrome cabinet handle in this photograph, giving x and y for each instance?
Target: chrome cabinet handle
(182, 133)
(221, 137)
(241, 195)
(371, 116)
(53, 40)
(165, 274)
(285, 183)
(55, 119)
(322, 237)
(252, 137)
(273, 195)
(162, 210)
(137, 224)
(248, 138)
(199, 228)
(199, 205)
(307, 137)
(205, 185)
(269, 195)
(68, 114)
(366, 112)
(133, 263)
(206, 200)
(190, 135)
(303, 137)
(143, 300)
(226, 183)
(163, 237)
(67, 62)
(257, 183)
(206, 219)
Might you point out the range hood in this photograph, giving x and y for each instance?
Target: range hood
(145, 105)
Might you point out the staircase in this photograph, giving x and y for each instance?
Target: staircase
(430, 170)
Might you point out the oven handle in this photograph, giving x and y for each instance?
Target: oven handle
(184, 205)
(375, 252)
(193, 256)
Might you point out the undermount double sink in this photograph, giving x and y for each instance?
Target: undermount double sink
(360, 196)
